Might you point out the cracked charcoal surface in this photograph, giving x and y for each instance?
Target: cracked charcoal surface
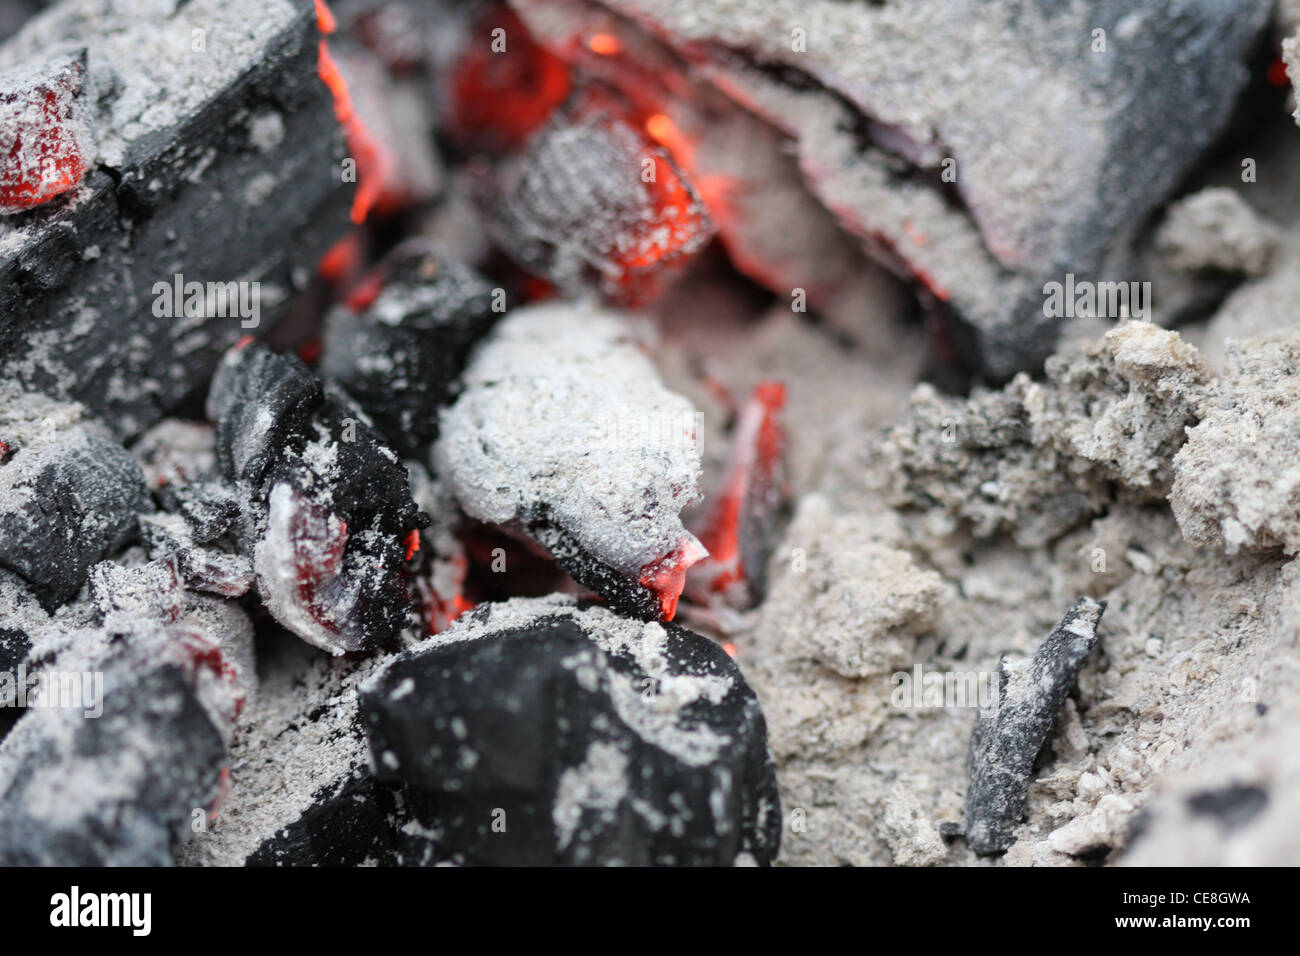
(564, 428)
(604, 740)
(327, 506)
(1005, 744)
(400, 357)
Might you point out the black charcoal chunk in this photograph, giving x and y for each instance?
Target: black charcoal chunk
(327, 516)
(118, 788)
(68, 497)
(218, 162)
(533, 732)
(1005, 744)
(401, 354)
(347, 824)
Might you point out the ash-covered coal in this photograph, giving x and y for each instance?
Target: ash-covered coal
(564, 431)
(535, 732)
(327, 514)
(978, 148)
(119, 789)
(69, 494)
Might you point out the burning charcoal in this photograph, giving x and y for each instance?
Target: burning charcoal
(327, 510)
(397, 135)
(401, 342)
(119, 788)
(1005, 745)
(46, 140)
(742, 524)
(590, 202)
(899, 117)
(533, 732)
(68, 497)
(125, 597)
(564, 431)
(202, 116)
(442, 564)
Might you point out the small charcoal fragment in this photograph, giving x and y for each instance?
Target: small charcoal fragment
(210, 569)
(400, 343)
(533, 732)
(743, 520)
(1232, 806)
(564, 430)
(117, 789)
(68, 497)
(1005, 744)
(327, 514)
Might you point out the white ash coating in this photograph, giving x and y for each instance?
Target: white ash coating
(563, 416)
(158, 60)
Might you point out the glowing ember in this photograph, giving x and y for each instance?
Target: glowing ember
(735, 529)
(374, 166)
(604, 44)
(1277, 75)
(667, 577)
(325, 21)
(498, 97)
(45, 140)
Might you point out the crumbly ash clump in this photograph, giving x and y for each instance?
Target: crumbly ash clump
(1237, 480)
